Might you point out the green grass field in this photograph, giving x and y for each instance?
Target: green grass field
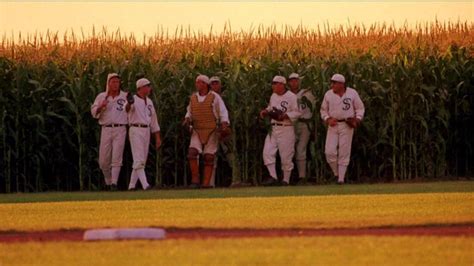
(351, 206)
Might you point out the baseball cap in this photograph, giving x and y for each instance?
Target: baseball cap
(112, 75)
(142, 82)
(203, 78)
(214, 78)
(279, 79)
(338, 78)
(294, 76)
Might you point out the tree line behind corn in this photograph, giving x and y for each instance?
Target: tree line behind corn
(417, 85)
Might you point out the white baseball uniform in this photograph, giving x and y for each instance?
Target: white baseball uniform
(113, 119)
(305, 97)
(282, 135)
(220, 113)
(142, 120)
(339, 137)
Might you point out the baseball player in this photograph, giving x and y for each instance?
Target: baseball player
(225, 144)
(142, 120)
(109, 109)
(283, 111)
(206, 110)
(342, 110)
(304, 126)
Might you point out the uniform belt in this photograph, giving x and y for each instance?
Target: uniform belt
(138, 125)
(115, 125)
(281, 125)
(341, 120)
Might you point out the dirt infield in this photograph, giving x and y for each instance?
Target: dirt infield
(204, 233)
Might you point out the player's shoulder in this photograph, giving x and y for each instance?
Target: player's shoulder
(290, 94)
(351, 91)
(123, 94)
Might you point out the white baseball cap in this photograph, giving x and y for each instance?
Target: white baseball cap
(112, 75)
(338, 78)
(294, 76)
(142, 82)
(215, 78)
(279, 79)
(203, 78)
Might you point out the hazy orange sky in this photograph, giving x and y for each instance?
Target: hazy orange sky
(145, 17)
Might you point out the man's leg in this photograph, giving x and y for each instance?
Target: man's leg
(105, 154)
(269, 154)
(195, 148)
(332, 139)
(117, 152)
(286, 149)
(302, 143)
(344, 154)
(209, 152)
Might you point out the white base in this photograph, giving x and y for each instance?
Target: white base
(124, 233)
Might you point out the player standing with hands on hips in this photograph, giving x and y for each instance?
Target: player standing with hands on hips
(283, 111)
(109, 109)
(342, 110)
(142, 120)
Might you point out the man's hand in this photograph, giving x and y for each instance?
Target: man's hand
(263, 113)
(187, 124)
(224, 131)
(277, 114)
(102, 106)
(157, 140)
(331, 122)
(353, 122)
(130, 98)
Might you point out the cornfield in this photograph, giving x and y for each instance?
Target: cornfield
(416, 83)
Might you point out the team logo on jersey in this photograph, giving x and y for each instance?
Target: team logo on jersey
(149, 107)
(347, 104)
(284, 106)
(120, 104)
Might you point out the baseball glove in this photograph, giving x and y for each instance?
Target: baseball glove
(130, 98)
(276, 114)
(224, 133)
(352, 122)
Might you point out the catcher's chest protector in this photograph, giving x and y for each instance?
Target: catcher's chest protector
(202, 113)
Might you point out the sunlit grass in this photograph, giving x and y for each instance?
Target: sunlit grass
(253, 251)
(341, 211)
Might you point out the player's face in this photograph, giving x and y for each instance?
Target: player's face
(216, 86)
(337, 86)
(146, 90)
(202, 86)
(294, 84)
(278, 88)
(114, 84)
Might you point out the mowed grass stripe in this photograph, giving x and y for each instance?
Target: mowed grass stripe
(343, 211)
(318, 190)
(255, 251)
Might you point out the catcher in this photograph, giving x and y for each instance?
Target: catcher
(205, 111)
(342, 110)
(283, 111)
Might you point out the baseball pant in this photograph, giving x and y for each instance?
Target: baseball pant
(302, 139)
(112, 142)
(209, 148)
(281, 139)
(139, 142)
(338, 148)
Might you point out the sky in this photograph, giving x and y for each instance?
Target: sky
(145, 17)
